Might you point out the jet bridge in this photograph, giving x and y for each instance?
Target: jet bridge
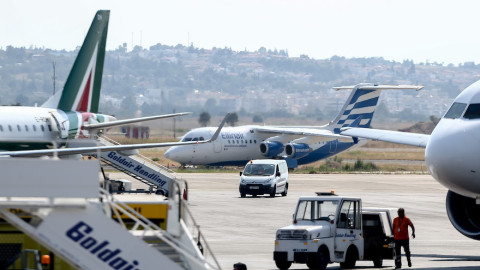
(138, 167)
(82, 225)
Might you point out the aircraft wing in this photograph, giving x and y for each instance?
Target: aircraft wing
(131, 120)
(304, 132)
(94, 149)
(407, 138)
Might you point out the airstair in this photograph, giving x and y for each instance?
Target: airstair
(82, 224)
(139, 167)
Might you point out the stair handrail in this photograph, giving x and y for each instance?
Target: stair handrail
(148, 226)
(195, 230)
(110, 140)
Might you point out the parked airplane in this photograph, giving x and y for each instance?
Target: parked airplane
(297, 145)
(71, 113)
(451, 156)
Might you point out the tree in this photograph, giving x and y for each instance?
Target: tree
(204, 119)
(257, 118)
(232, 119)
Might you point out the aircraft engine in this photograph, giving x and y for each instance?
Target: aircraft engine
(271, 149)
(464, 214)
(297, 150)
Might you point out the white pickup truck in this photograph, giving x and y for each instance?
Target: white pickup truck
(328, 228)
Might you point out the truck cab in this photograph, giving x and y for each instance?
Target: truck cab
(328, 228)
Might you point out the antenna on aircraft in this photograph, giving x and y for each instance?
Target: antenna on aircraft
(54, 77)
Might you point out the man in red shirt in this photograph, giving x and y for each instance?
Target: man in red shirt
(400, 233)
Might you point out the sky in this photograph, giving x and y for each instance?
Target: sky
(419, 30)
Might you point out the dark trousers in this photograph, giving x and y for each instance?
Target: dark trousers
(398, 253)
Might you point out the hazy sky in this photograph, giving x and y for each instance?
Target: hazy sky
(421, 30)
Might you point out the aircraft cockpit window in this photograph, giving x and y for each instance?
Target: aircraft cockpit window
(195, 139)
(456, 110)
(473, 111)
(201, 139)
(186, 139)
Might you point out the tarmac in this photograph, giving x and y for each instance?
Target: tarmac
(243, 229)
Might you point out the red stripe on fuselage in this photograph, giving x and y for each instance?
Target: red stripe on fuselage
(83, 104)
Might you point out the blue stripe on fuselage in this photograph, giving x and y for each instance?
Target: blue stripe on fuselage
(325, 152)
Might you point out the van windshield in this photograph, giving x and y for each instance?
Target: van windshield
(259, 169)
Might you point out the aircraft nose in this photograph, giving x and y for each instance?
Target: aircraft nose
(174, 153)
(450, 157)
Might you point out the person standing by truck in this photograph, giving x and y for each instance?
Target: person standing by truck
(401, 237)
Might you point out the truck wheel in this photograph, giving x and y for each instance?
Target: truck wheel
(283, 265)
(321, 260)
(378, 262)
(274, 191)
(284, 193)
(350, 259)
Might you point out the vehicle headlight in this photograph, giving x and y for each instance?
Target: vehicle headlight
(305, 235)
(268, 181)
(244, 182)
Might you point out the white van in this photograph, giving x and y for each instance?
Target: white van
(264, 176)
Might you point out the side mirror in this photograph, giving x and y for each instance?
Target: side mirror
(278, 174)
(241, 173)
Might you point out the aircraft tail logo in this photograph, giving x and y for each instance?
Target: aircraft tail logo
(82, 89)
(358, 110)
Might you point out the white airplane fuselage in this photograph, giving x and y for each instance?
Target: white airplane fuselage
(234, 146)
(25, 128)
(237, 145)
(453, 150)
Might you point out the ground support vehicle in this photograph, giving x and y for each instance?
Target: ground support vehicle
(264, 176)
(333, 229)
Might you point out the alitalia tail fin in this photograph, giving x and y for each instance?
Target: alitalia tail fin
(82, 88)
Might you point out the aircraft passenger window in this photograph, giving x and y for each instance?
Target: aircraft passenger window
(10, 128)
(34, 128)
(1, 128)
(26, 128)
(18, 128)
(473, 111)
(43, 128)
(228, 141)
(49, 128)
(250, 141)
(456, 110)
(255, 141)
(238, 141)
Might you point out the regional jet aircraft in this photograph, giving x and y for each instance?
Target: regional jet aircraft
(297, 145)
(451, 155)
(71, 113)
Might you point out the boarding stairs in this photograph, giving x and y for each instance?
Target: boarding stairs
(81, 224)
(139, 167)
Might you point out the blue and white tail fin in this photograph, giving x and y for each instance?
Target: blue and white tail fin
(360, 106)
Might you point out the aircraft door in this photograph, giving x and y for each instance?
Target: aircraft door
(58, 126)
(333, 146)
(217, 145)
